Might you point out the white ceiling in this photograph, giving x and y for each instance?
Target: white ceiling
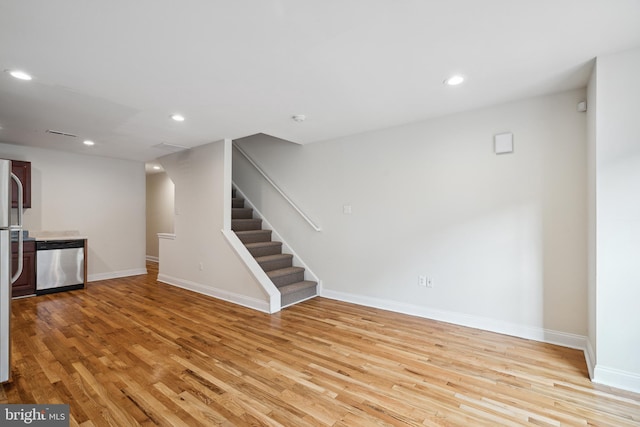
(114, 71)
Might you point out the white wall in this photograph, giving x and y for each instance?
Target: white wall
(618, 220)
(160, 210)
(200, 258)
(592, 108)
(503, 237)
(100, 197)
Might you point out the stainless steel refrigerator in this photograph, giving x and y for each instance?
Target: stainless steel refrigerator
(7, 277)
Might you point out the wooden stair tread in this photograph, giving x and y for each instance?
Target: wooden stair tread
(295, 287)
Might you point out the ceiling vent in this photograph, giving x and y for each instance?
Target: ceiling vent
(57, 132)
(171, 147)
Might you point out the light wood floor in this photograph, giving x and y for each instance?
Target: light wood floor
(133, 351)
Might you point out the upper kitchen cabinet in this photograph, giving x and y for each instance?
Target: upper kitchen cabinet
(23, 172)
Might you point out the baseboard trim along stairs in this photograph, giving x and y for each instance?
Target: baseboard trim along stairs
(289, 279)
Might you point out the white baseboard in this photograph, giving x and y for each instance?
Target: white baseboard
(222, 294)
(152, 258)
(478, 322)
(616, 378)
(116, 274)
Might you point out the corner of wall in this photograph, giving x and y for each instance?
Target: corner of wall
(592, 105)
(199, 258)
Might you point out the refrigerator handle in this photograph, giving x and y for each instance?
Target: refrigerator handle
(18, 227)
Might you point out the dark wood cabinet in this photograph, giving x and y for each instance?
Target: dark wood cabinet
(26, 283)
(23, 172)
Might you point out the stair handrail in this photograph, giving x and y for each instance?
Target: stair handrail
(277, 188)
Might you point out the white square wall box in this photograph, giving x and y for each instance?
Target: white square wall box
(503, 143)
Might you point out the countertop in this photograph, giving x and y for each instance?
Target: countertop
(57, 235)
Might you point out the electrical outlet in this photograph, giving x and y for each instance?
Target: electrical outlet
(422, 280)
(429, 282)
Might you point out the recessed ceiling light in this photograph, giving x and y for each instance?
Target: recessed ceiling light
(454, 80)
(19, 74)
(177, 117)
(156, 167)
(89, 143)
(299, 118)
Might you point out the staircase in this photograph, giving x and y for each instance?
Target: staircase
(278, 266)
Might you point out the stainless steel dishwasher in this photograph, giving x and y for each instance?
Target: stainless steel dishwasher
(59, 265)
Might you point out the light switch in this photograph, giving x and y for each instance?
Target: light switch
(346, 209)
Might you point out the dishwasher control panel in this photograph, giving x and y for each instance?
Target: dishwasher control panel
(43, 245)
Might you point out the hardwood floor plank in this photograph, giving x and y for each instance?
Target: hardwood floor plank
(153, 401)
(133, 351)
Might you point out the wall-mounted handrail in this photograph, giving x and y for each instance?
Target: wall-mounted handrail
(278, 189)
